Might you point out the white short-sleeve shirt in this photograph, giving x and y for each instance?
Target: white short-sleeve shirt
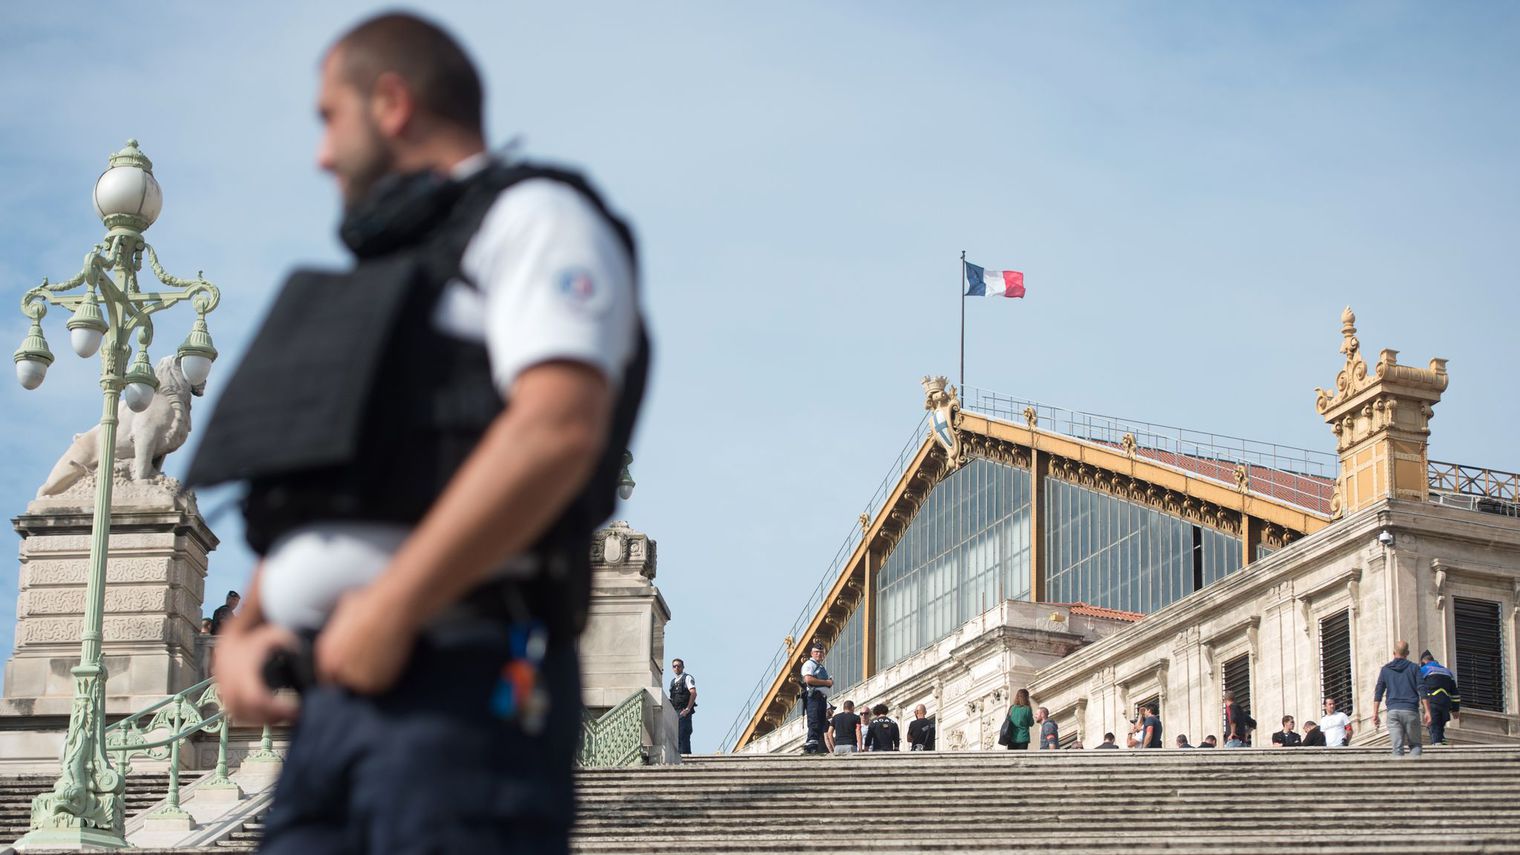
(551, 281)
(813, 669)
(1334, 726)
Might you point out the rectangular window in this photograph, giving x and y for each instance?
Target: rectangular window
(1480, 654)
(1335, 659)
(1237, 679)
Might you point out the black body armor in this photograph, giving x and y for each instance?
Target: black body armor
(680, 696)
(350, 406)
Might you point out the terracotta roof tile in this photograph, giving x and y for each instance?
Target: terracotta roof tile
(1099, 611)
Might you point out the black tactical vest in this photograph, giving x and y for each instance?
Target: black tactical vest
(350, 406)
(680, 696)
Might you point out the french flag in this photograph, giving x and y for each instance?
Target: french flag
(993, 283)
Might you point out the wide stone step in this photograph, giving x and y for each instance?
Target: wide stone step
(1072, 843)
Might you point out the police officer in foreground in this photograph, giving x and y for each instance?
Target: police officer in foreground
(683, 699)
(428, 440)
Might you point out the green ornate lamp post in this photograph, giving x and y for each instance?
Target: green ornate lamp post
(84, 808)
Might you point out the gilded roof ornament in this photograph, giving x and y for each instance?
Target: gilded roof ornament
(944, 405)
(1353, 377)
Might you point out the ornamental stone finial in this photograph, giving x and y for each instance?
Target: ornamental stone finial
(1381, 422)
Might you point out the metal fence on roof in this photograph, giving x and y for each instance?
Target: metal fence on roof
(1298, 475)
(1474, 487)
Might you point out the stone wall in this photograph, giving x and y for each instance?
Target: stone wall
(1271, 612)
(1091, 672)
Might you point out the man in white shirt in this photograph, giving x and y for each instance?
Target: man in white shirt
(438, 547)
(1336, 725)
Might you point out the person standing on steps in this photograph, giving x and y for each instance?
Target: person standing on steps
(1238, 723)
(1314, 737)
(1400, 682)
(1150, 728)
(843, 734)
(1050, 734)
(1287, 737)
(1020, 720)
(815, 685)
(1439, 687)
(683, 699)
(428, 438)
(1335, 726)
(921, 730)
(883, 734)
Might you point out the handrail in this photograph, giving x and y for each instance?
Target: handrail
(182, 718)
(617, 737)
(134, 717)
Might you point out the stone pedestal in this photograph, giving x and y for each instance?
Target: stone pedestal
(623, 647)
(155, 575)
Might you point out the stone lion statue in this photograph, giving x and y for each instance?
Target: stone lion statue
(143, 439)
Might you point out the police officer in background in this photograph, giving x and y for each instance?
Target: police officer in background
(683, 698)
(815, 686)
(428, 440)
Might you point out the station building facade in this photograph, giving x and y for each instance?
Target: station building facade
(1103, 563)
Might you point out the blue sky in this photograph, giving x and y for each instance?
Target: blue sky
(1193, 190)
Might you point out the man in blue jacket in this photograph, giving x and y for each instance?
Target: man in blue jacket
(1400, 681)
(1438, 686)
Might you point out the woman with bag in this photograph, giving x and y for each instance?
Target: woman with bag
(1020, 720)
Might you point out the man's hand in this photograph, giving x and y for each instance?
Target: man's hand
(366, 642)
(1376, 722)
(685, 712)
(238, 663)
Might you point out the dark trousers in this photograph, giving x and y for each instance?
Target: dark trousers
(427, 767)
(1018, 746)
(1439, 716)
(683, 731)
(817, 720)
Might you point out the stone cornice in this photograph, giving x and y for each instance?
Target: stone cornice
(1151, 669)
(1240, 627)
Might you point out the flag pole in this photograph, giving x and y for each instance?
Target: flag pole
(961, 286)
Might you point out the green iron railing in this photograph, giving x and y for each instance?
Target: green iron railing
(158, 731)
(181, 718)
(617, 737)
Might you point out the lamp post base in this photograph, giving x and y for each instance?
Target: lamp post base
(70, 838)
(84, 808)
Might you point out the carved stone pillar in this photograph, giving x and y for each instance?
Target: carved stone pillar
(155, 578)
(1381, 425)
(623, 647)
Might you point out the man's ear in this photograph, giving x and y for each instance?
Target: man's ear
(392, 105)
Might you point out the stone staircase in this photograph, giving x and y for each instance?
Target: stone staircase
(1451, 800)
